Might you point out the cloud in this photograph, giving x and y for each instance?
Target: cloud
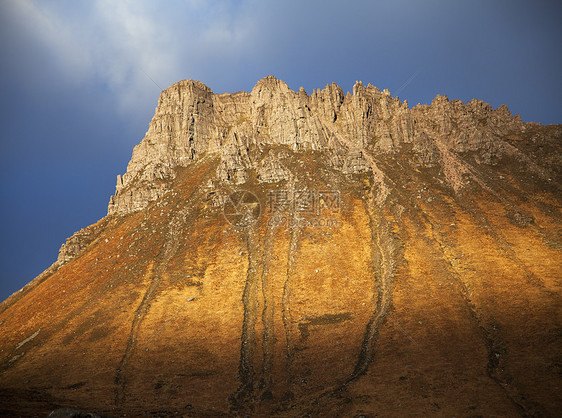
(117, 44)
(230, 44)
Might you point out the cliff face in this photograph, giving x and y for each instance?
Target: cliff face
(275, 253)
(191, 122)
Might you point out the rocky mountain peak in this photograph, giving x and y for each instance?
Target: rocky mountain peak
(270, 85)
(259, 237)
(191, 122)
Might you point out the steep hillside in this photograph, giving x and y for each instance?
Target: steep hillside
(279, 253)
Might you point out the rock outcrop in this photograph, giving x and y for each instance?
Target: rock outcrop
(191, 122)
(79, 241)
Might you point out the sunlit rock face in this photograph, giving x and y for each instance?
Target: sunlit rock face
(191, 122)
(275, 253)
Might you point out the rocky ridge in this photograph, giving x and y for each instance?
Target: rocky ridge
(191, 122)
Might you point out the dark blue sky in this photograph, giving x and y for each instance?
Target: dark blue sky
(75, 99)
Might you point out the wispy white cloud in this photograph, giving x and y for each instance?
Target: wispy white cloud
(54, 34)
(119, 43)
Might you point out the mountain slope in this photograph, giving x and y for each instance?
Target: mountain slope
(280, 253)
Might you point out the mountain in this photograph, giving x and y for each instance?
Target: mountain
(275, 253)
